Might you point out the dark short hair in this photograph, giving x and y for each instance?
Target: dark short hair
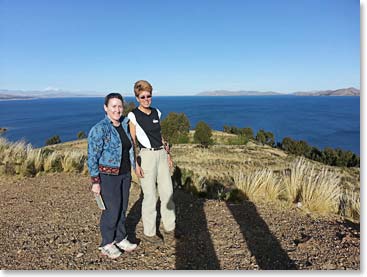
(113, 95)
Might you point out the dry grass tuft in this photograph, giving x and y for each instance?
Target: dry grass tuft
(221, 171)
(73, 161)
(20, 158)
(259, 185)
(351, 205)
(316, 189)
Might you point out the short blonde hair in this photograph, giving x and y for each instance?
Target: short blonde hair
(142, 85)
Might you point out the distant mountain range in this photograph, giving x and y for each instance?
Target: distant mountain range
(339, 92)
(31, 94)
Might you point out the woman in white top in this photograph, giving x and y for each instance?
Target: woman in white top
(152, 164)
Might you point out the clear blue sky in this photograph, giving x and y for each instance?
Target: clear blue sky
(181, 47)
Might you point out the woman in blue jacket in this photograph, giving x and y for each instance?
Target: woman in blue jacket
(110, 157)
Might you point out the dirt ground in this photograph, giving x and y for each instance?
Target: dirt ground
(51, 222)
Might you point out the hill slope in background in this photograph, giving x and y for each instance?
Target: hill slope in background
(31, 94)
(339, 92)
(23, 94)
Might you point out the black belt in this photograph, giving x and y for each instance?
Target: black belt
(154, 149)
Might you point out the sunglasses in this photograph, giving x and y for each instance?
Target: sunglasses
(143, 97)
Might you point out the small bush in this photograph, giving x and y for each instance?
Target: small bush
(203, 134)
(317, 190)
(352, 205)
(175, 128)
(8, 168)
(128, 107)
(81, 135)
(73, 161)
(28, 168)
(260, 184)
(247, 131)
(235, 196)
(265, 137)
(238, 140)
(53, 140)
(53, 163)
(39, 160)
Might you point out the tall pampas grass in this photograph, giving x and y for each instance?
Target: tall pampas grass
(73, 161)
(316, 189)
(261, 184)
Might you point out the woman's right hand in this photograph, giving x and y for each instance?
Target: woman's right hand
(139, 171)
(96, 189)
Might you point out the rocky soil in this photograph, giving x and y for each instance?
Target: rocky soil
(51, 222)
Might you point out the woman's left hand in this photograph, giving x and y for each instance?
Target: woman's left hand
(170, 162)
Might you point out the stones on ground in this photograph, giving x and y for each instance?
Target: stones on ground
(217, 234)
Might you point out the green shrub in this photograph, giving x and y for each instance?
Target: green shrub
(260, 136)
(128, 107)
(247, 131)
(28, 168)
(175, 128)
(235, 196)
(53, 140)
(265, 137)
(203, 134)
(81, 135)
(238, 140)
(53, 163)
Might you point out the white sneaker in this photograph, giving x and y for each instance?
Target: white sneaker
(111, 251)
(126, 245)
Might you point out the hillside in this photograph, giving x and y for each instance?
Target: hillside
(47, 93)
(338, 92)
(51, 221)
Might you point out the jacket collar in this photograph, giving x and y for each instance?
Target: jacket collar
(124, 120)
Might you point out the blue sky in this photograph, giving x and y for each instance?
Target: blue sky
(181, 47)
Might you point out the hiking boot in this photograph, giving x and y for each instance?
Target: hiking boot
(153, 240)
(176, 233)
(126, 245)
(110, 250)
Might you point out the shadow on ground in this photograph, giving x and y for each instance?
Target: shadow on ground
(194, 246)
(264, 246)
(194, 249)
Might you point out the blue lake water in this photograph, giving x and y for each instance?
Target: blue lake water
(321, 121)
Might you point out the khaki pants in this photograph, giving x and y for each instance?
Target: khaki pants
(156, 170)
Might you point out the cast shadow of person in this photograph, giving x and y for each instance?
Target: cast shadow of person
(133, 219)
(194, 247)
(263, 245)
(134, 216)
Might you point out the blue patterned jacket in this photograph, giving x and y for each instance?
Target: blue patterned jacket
(104, 149)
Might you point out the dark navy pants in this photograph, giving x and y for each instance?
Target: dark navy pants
(115, 192)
